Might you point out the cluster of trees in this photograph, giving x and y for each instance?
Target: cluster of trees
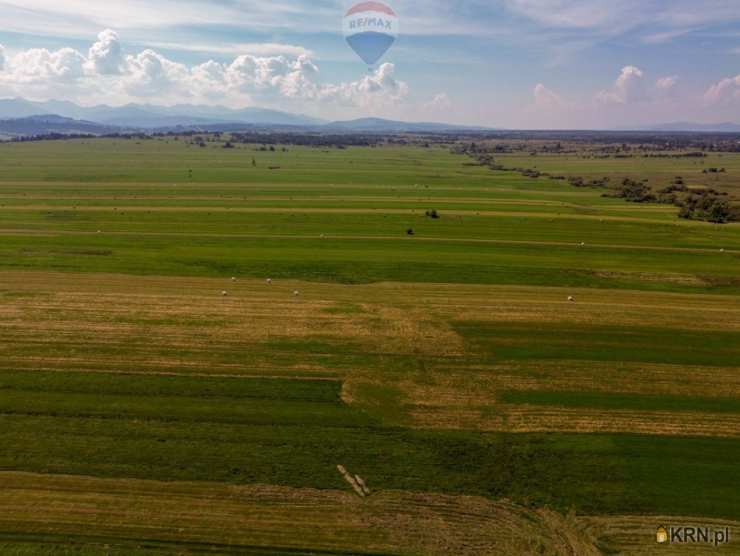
(51, 137)
(707, 204)
(634, 192)
(577, 181)
(695, 203)
(710, 207)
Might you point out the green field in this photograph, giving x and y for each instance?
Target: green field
(539, 359)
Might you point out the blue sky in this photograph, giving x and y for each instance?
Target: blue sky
(507, 63)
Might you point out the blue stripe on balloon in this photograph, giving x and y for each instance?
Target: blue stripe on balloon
(370, 46)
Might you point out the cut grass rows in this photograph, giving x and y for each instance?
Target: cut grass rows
(285, 443)
(601, 400)
(115, 346)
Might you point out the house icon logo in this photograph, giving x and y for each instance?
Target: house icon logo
(662, 535)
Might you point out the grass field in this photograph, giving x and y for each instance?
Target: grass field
(541, 370)
(658, 171)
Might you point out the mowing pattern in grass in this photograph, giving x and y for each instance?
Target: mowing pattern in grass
(527, 335)
(232, 218)
(515, 341)
(294, 433)
(600, 400)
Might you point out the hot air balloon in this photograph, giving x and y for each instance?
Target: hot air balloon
(370, 28)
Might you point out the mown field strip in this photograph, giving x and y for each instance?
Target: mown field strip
(183, 516)
(371, 238)
(26, 198)
(150, 402)
(636, 535)
(327, 210)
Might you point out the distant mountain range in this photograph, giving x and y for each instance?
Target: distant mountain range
(19, 117)
(388, 126)
(51, 123)
(148, 116)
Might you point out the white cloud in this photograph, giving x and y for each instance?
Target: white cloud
(629, 87)
(725, 91)
(40, 65)
(545, 98)
(88, 14)
(666, 83)
(2, 57)
(376, 89)
(105, 57)
(666, 86)
(665, 36)
(151, 74)
(106, 75)
(255, 49)
(439, 102)
(271, 76)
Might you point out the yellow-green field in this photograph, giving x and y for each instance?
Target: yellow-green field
(541, 370)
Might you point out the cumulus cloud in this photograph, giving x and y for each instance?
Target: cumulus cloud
(39, 66)
(105, 57)
(667, 83)
(439, 102)
(633, 86)
(724, 92)
(666, 86)
(629, 87)
(545, 98)
(270, 75)
(149, 74)
(106, 74)
(379, 88)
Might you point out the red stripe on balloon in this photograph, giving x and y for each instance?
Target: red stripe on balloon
(370, 7)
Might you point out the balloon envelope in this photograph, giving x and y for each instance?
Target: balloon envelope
(370, 28)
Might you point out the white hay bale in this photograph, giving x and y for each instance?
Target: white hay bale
(269, 280)
(233, 279)
(224, 293)
(351, 480)
(296, 293)
(361, 482)
(571, 298)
